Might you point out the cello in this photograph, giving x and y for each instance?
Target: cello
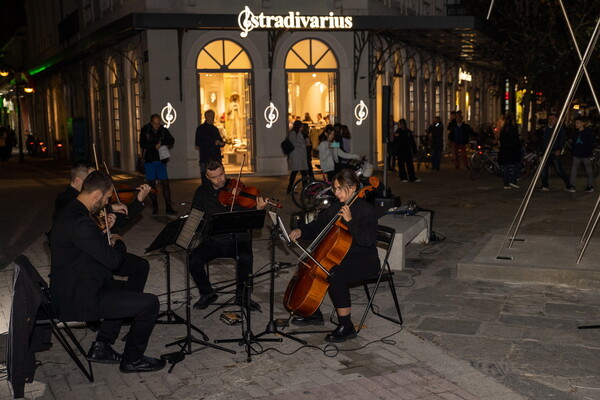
(308, 286)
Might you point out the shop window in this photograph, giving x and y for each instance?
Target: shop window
(115, 110)
(411, 104)
(224, 78)
(312, 71)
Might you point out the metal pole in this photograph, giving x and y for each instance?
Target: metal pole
(21, 155)
(588, 239)
(562, 7)
(521, 212)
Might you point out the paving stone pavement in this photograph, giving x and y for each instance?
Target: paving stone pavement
(460, 340)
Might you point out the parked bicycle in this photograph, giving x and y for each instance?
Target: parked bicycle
(485, 159)
(309, 193)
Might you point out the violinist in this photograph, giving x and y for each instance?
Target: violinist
(206, 199)
(82, 285)
(79, 171)
(361, 261)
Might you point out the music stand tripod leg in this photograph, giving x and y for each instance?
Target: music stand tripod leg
(247, 336)
(172, 317)
(186, 342)
(271, 325)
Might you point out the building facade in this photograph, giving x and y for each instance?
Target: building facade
(110, 64)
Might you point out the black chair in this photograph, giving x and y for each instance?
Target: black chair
(385, 239)
(31, 302)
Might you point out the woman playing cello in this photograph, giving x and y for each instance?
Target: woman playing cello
(361, 260)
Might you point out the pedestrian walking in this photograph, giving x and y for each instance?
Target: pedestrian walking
(583, 147)
(297, 161)
(406, 148)
(459, 136)
(554, 158)
(152, 137)
(435, 134)
(509, 156)
(208, 141)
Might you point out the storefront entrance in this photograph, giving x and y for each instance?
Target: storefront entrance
(224, 77)
(311, 70)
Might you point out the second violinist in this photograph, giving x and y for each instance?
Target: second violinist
(206, 199)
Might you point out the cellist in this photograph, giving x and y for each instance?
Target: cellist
(361, 261)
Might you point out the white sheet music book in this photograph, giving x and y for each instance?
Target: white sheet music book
(279, 223)
(189, 228)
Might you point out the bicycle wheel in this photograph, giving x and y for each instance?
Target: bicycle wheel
(315, 194)
(475, 166)
(297, 190)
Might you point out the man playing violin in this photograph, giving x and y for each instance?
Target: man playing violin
(361, 260)
(79, 171)
(83, 287)
(206, 199)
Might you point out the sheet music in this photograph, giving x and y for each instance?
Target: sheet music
(189, 228)
(279, 223)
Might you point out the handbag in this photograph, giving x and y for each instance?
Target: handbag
(287, 146)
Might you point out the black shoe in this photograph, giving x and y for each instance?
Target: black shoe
(315, 319)
(144, 364)
(205, 300)
(171, 211)
(254, 306)
(341, 334)
(102, 352)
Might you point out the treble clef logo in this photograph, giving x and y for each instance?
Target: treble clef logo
(361, 112)
(168, 115)
(271, 114)
(245, 21)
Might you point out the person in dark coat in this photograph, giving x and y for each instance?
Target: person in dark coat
(554, 158)
(406, 148)
(152, 137)
(435, 133)
(208, 141)
(360, 262)
(82, 286)
(583, 148)
(509, 156)
(460, 132)
(297, 158)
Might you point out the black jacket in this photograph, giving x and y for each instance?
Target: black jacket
(206, 136)
(149, 139)
(362, 227)
(82, 262)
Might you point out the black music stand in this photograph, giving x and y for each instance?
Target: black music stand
(168, 237)
(236, 222)
(189, 228)
(278, 230)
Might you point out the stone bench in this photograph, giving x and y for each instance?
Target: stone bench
(409, 229)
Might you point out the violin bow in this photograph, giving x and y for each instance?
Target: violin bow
(105, 213)
(111, 182)
(237, 183)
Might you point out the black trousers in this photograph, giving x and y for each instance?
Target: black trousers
(125, 299)
(351, 269)
(221, 247)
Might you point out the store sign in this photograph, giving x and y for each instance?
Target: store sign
(271, 114)
(248, 21)
(361, 112)
(168, 115)
(463, 75)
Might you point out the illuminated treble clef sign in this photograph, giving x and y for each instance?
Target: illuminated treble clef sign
(361, 112)
(245, 21)
(271, 114)
(168, 115)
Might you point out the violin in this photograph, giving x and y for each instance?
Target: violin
(126, 193)
(308, 286)
(235, 192)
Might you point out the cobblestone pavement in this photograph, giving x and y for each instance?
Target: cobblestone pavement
(460, 340)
